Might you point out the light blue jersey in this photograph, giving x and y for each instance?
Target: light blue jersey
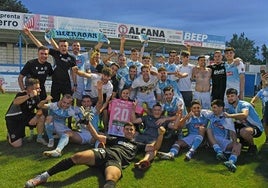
(122, 72)
(60, 115)
(125, 82)
(158, 65)
(136, 63)
(263, 95)
(82, 62)
(172, 107)
(195, 122)
(161, 85)
(253, 117)
(95, 116)
(221, 125)
(233, 72)
(171, 68)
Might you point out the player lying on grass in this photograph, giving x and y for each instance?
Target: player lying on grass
(117, 154)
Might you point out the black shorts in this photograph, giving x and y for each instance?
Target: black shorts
(16, 126)
(256, 131)
(265, 114)
(105, 157)
(187, 97)
(60, 88)
(146, 139)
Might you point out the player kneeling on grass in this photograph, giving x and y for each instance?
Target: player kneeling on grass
(247, 122)
(222, 136)
(117, 154)
(196, 123)
(21, 114)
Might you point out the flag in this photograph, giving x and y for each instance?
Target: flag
(103, 38)
(48, 35)
(144, 39)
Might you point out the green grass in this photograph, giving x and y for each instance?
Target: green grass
(20, 164)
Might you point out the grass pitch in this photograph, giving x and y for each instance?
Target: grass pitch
(20, 164)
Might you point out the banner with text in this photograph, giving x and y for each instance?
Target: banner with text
(84, 29)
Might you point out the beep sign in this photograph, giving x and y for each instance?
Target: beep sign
(204, 40)
(195, 37)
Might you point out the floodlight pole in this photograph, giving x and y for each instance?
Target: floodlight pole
(20, 51)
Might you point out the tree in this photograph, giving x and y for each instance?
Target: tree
(264, 53)
(244, 48)
(13, 6)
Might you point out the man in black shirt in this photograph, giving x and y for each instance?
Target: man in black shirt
(63, 61)
(118, 154)
(21, 113)
(218, 77)
(37, 68)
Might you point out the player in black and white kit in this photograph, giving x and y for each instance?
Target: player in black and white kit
(63, 61)
(37, 68)
(118, 154)
(21, 113)
(218, 77)
(61, 83)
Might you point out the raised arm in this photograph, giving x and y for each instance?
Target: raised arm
(188, 46)
(75, 70)
(54, 44)
(32, 37)
(158, 143)
(180, 121)
(122, 45)
(108, 57)
(93, 132)
(134, 119)
(100, 96)
(98, 46)
(141, 53)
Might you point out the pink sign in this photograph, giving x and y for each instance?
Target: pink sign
(120, 113)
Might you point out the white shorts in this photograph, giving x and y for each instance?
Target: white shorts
(204, 98)
(86, 136)
(148, 99)
(79, 92)
(60, 128)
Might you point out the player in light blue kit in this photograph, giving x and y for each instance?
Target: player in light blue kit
(59, 111)
(263, 95)
(126, 81)
(235, 73)
(124, 69)
(196, 123)
(164, 82)
(171, 105)
(222, 136)
(56, 119)
(82, 62)
(93, 110)
(247, 122)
